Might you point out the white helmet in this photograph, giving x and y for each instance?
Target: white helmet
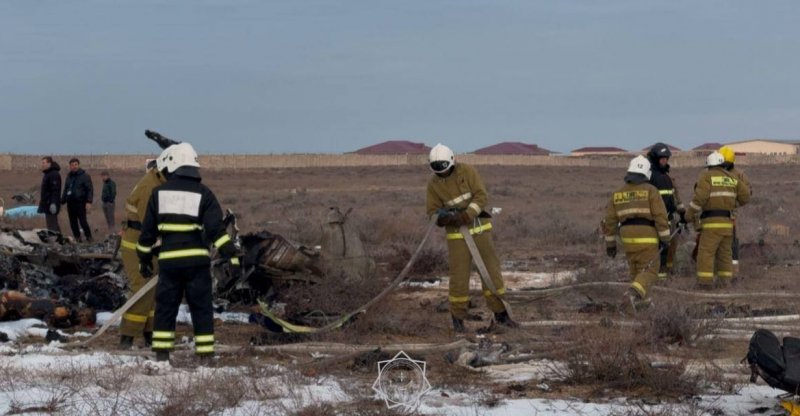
(715, 159)
(177, 156)
(641, 165)
(162, 158)
(441, 158)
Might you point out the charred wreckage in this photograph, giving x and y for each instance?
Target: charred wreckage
(45, 276)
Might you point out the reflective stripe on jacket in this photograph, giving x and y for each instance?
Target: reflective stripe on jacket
(636, 201)
(188, 218)
(462, 190)
(717, 190)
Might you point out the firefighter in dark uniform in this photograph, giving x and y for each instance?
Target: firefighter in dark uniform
(187, 217)
(716, 194)
(659, 156)
(138, 320)
(637, 212)
(457, 196)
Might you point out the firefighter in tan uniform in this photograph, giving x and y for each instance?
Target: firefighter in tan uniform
(457, 196)
(138, 320)
(717, 193)
(730, 157)
(637, 211)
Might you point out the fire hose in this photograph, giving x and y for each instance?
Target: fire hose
(289, 327)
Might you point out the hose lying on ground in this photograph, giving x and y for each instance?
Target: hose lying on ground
(345, 318)
(544, 293)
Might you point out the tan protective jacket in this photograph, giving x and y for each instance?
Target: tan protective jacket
(640, 202)
(136, 205)
(718, 190)
(463, 190)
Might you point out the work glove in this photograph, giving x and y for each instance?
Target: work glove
(53, 209)
(611, 251)
(444, 217)
(146, 268)
(464, 219)
(454, 219)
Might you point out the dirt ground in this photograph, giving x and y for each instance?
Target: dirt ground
(549, 223)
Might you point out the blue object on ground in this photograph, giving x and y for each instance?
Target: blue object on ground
(23, 211)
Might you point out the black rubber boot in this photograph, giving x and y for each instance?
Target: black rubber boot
(458, 325)
(663, 273)
(502, 318)
(162, 355)
(148, 339)
(125, 342)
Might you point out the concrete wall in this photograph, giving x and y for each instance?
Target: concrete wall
(764, 147)
(137, 162)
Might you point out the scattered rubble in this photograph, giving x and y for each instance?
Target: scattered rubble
(45, 276)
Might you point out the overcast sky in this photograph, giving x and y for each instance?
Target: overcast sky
(238, 76)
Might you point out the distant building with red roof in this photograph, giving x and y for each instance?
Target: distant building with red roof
(395, 147)
(513, 148)
(608, 150)
(708, 146)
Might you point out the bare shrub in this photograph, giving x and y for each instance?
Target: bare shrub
(520, 225)
(672, 322)
(688, 409)
(332, 295)
(305, 226)
(610, 358)
(317, 409)
(193, 394)
(432, 259)
(553, 227)
(52, 402)
(368, 407)
(384, 318)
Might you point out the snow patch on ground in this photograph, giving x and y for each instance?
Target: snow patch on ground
(185, 317)
(514, 280)
(103, 383)
(532, 370)
(15, 329)
(745, 401)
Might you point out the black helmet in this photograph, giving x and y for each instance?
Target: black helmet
(658, 151)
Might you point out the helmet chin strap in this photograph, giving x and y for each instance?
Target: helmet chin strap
(446, 173)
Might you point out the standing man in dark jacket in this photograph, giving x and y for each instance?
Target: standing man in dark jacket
(51, 189)
(108, 196)
(78, 193)
(659, 156)
(188, 218)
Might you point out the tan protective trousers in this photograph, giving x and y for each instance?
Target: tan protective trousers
(644, 261)
(460, 262)
(139, 318)
(715, 252)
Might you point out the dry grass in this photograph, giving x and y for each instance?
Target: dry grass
(548, 212)
(613, 358)
(672, 321)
